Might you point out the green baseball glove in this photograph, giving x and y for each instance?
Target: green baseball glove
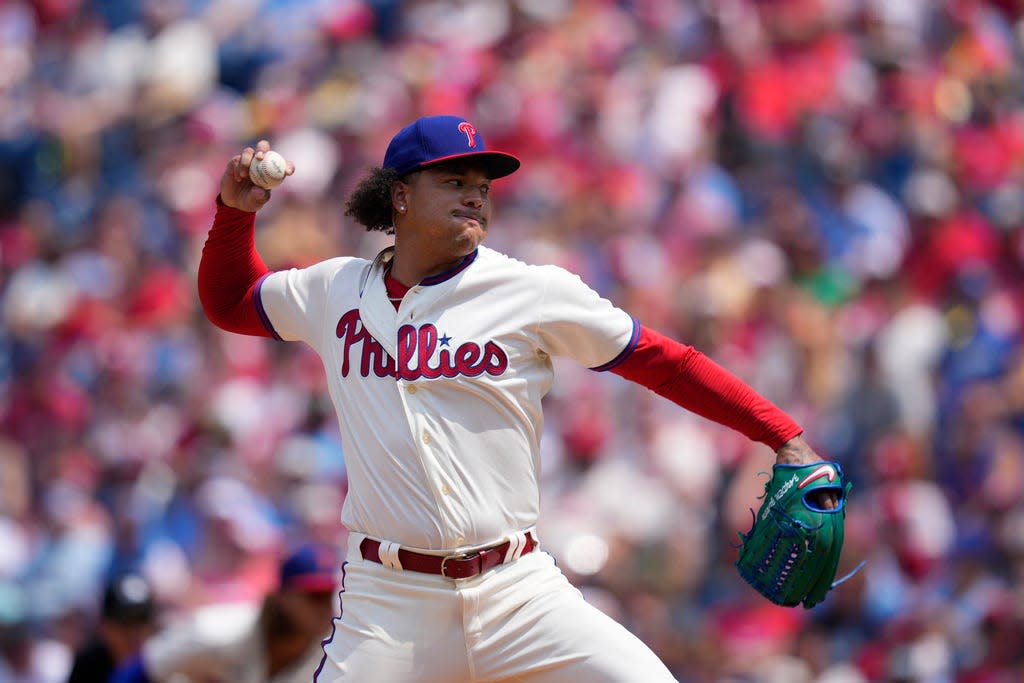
(791, 552)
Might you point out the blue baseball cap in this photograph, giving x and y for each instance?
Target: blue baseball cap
(311, 568)
(435, 139)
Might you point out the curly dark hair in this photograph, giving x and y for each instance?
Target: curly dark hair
(370, 203)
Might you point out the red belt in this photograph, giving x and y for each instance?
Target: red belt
(457, 566)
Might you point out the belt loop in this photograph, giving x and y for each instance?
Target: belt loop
(516, 545)
(355, 540)
(389, 554)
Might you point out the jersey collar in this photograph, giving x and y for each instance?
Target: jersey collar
(451, 272)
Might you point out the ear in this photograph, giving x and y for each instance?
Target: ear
(399, 197)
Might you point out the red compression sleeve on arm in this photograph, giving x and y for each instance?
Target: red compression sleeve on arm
(230, 273)
(690, 379)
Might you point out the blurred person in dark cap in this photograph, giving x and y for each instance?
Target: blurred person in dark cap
(128, 615)
(274, 641)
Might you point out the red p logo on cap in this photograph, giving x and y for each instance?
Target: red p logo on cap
(467, 128)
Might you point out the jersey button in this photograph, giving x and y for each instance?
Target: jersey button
(446, 490)
(426, 437)
(411, 388)
(460, 540)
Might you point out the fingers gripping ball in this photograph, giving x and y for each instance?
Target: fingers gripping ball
(268, 172)
(791, 552)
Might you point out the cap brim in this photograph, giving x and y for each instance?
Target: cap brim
(498, 164)
(312, 583)
(130, 616)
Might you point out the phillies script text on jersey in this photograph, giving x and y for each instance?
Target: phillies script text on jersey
(416, 345)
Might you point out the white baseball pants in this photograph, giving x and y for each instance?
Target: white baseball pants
(521, 622)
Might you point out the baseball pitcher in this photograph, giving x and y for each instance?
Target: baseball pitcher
(438, 353)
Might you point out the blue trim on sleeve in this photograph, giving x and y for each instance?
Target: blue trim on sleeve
(634, 339)
(261, 312)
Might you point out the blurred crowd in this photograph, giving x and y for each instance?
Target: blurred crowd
(826, 196)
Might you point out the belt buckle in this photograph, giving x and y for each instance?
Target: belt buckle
(453, 557)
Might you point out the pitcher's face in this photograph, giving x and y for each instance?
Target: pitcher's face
(447, 206)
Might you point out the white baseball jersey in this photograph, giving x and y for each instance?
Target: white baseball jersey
(439, 402)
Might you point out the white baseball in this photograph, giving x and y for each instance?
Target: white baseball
(269, 171)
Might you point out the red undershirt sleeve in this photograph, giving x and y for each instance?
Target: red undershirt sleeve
(690, 379)
(231, 272)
